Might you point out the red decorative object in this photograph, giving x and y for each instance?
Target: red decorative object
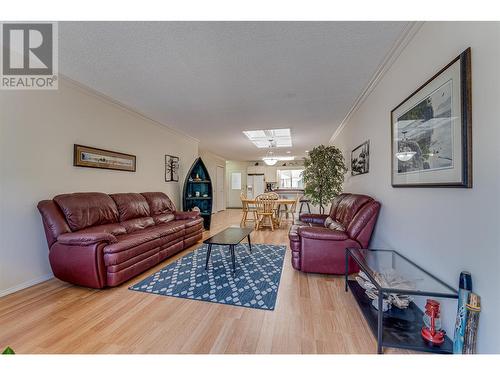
(430, 334)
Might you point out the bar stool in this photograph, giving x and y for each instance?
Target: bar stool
(304, 200)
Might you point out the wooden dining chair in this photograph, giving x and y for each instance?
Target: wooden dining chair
(266, 211)
(274, 196)
(247, 208)
(290, 209)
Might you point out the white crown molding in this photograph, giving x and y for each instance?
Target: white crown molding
(109, 100)
(27, 284)
(205, 151)
(397, 48)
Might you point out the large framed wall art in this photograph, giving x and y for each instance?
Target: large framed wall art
(431, 131)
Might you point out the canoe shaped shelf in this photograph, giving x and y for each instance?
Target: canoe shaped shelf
(198, 191)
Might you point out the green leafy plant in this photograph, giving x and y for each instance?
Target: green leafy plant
(8, 350)
(324, 171)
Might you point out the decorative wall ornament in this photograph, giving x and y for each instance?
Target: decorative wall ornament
(171, 168)
(360, 159)
(91, 157)
(387, 279)
(431, 131)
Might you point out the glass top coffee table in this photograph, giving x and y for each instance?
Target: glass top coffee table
(396, 328)
(231, 237)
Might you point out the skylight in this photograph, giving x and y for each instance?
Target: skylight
(272, 137)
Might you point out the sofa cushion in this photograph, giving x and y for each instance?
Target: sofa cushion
(119, 261)
(362, 224)
(163, 218)
(190, 222)
(313, 218)
(115, 229)
(130, 248)
(128, 241)
(349, 206)
(159, 203)
(167, 229)
(137, 224)
(83, 210)
(319, 233)
(131, 205)
(332, 224)
(335, 204)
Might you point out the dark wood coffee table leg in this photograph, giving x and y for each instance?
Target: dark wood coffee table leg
(208, 254)
(249, 243)
(231, 248)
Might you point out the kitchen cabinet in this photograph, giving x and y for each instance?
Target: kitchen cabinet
(270, 174)
(256, 169)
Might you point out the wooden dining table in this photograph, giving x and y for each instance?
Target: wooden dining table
(278, 203)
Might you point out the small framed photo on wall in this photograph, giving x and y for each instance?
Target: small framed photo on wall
(360, 159)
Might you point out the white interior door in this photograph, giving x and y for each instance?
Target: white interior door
(220, 188)
(236, 183)
(258, 183)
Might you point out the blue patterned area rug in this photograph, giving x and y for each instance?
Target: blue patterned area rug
(255, 283)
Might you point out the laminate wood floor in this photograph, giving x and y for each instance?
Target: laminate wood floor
(313, 315)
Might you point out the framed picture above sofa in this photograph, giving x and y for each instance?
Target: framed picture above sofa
(431, 131)
(171, 168)
(91, 157)
(360, 159)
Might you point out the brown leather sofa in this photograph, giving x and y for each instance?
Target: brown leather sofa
(98, 240)
(316, 248)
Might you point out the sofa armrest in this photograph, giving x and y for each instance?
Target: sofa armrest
(83, 239)
(319, 233)
(313, 218)
(183, 215)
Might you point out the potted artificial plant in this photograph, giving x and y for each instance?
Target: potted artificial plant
(324, 171)
(8, 350)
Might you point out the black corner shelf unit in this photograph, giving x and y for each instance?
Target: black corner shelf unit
(198, 181)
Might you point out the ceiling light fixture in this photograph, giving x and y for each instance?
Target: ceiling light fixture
(270, 159)
(278, 158)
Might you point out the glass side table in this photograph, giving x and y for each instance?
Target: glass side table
(396, 328)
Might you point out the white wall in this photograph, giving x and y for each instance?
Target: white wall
(38, 130)
(233, 196)
(444, 230)
(212, 161)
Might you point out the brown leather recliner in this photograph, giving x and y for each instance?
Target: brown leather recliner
(98, 240)
(316, 248)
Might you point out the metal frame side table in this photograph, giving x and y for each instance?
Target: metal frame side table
(396, 328)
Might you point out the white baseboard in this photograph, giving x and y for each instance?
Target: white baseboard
(26, 284)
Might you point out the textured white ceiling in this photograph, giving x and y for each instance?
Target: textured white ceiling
(212, 80)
